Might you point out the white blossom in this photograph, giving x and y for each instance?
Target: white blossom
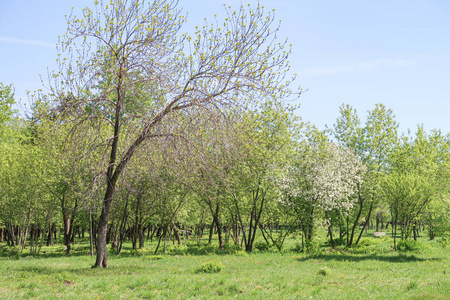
(325, 175)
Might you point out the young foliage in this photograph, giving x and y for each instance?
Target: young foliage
(125, 64)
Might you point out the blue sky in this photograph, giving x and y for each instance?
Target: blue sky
(357, 52)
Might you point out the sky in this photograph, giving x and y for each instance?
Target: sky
(350, 51)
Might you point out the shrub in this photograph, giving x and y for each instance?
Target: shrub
(366, 242)
(409, 246)
(369, 246)
(177, 249)
(210, 267)
(324, 271)
(337, 242)
(313, 249)
(230, 248)
(261, 246)
(297, 248)
(241, 253)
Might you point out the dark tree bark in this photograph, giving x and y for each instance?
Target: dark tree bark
(177, 234)
(211, 231)
(91, 233)
(366, 223)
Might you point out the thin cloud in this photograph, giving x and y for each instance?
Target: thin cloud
(26, 42)
(364, 66)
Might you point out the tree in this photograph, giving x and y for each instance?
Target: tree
(66, 173)
(131, 73)
(418, 182)
(263, 143)
(373, 144)
(407, 195)
(322, 178)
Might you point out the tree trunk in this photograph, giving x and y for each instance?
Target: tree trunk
(211, 231)
(26, 231)
(366, 223)
(394, 232)
(11, 232)
(141, 237)
(67, 231)
(91, 233)
(330, 230)
(102, 251)
(358, 216)
(261, 227)
(219, 231)
(176, 234)
(33, 228)
(414, 231)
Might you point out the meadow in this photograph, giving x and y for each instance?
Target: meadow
(371, 270)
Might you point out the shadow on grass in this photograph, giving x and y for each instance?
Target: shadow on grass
(183, 250)
(195, 249)
(399, 258)
(15, 255)
(66, 271)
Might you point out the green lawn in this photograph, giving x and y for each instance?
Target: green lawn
(377, 273)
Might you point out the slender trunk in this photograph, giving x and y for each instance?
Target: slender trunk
(159, 241)
(219, 233)
(261, 227)
(236, 232)
(91, 233)
(11, 232)
(67, 231)
(330, 231)
(134, 237)
(243, 236)
(394, 232)
(366, 223)
(149, 231)
(51, 233)
(47, 224)
(355, 224)
(167, 238)
(33, 229)
(310, 228)
(122, 226)
(153, 233)
(26, 231)
(141, 237)
(19, 237)
(177, 234)
(7, 236)
(199, 233)
(211, 231)
(347, 228)
(227, 233)
(248, 247)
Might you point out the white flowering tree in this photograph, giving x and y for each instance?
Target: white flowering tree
(322, 178)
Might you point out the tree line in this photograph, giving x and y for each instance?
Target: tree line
(260, 172)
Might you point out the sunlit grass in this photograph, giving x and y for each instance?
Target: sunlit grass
(380, 273)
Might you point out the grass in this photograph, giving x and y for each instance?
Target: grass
(375, 273)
